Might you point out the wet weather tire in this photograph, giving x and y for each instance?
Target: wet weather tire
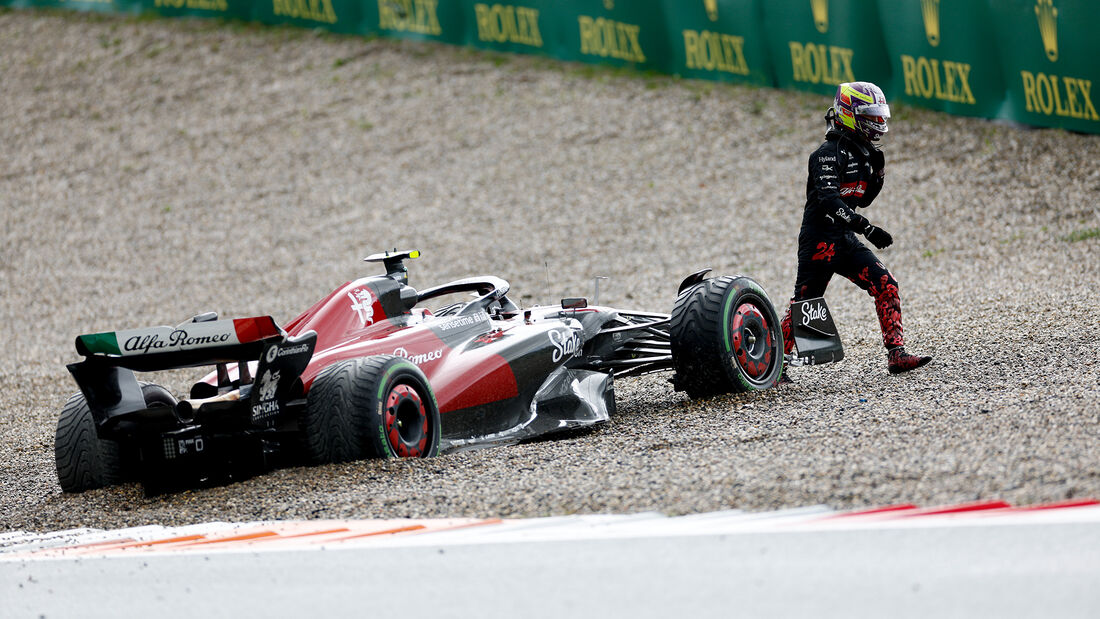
(84, 460)
(375, 407)
(725, 338)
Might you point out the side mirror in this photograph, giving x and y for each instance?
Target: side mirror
(574, 303)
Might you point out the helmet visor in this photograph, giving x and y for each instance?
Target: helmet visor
(878, 112)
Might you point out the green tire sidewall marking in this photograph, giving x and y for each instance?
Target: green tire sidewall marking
(752, 287)
(386, 377)
(385, 441)
(381, 404)
(730, 294)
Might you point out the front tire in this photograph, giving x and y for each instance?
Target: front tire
(375, 407)
(725, 338)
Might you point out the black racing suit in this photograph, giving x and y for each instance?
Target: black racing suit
(844, 174)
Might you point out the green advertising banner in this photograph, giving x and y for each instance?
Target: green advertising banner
(944, 56)
(718, 40)
(817, 44)
(435, 20)
(616, 32)
(98, 6)
(235, 9)
(523, 26)
(1032, 61)
(1050, 55)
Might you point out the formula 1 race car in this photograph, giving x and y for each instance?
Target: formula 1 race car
(376, 369)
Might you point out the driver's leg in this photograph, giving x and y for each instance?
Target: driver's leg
(865, 270)
(815, 269)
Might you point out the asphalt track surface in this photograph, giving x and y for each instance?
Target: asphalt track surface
(152, 170)
(986, 559)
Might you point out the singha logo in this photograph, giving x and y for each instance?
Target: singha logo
(712, 9)
(1048, 27)
(268, 383)
(821, 14)
(930, 10)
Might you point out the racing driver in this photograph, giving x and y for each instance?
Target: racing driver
(846, 173)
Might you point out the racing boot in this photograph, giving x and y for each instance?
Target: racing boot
(788, 345)
(900, 361)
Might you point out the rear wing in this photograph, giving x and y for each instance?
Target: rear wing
(106, 376)
(199, 342)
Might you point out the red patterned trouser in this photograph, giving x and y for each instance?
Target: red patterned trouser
(818, 261)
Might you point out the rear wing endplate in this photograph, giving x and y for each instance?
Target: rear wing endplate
(815, 334)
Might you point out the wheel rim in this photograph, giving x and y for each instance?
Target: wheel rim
(753, 347)
(406, 420)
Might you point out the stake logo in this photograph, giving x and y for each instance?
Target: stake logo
(817, 312)
(363, 304)
(930, 10)
(565, 345)
(1048, 27)
(821, 14)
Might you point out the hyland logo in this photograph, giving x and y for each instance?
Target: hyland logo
(363, 304)
(1048, 27)
(820, 10)
(930, 10)
(712, 9)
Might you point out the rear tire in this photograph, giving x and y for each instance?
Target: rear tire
(725, 338)
(84, 460)
(375, 407)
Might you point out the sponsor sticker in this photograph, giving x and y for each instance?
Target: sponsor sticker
(814, 311)
(566, 344)
(419, 358)
(463, 321)
(362, 303)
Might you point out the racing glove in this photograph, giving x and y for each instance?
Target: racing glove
(878, 237)
(878, 162)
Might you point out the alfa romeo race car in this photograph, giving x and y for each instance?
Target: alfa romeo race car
(377, 369)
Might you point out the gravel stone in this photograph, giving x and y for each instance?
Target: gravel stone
(155, 169)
